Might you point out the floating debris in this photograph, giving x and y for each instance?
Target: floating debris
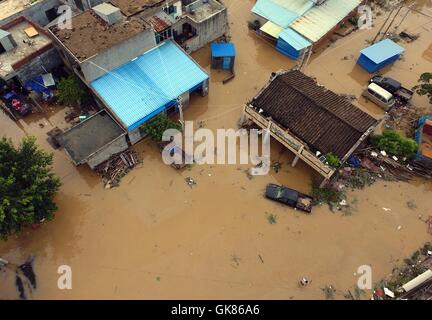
(190, 182)
(118, 166)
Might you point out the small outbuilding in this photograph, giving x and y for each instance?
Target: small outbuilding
(291, 44)
(223, 56)
(379, 55)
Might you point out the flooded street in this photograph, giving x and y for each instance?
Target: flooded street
(154, 237)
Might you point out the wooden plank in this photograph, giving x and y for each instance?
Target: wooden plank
(290, 142)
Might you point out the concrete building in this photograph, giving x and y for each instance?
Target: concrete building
(192, 24)
(132, 69)
(40, 11)
(93, 48)
(26, 51)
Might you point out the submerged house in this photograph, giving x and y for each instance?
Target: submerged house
(26, 51)
(309, 120)
(133, 75)
(295, 25)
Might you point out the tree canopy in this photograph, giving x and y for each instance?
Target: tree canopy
(425, 86)
(70, 91)
(27, 186)
(157, 126)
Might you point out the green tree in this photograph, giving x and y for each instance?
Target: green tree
(156, 127)
(27, 186)
(394, 143)
(70, 91)
(425, 86)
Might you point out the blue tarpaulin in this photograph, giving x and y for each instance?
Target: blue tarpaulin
(148, 84)
(291, 44)
(37, 84)
(379, 55)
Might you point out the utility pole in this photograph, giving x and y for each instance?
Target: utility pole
(180, 107)
(391, 22)
(382, 27)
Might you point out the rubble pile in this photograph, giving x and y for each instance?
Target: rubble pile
(118, 166)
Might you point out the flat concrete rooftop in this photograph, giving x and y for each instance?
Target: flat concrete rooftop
(89, 136)
(132, 7)
(11, 7)
(24, 49)
(199, 11)
(90, 34)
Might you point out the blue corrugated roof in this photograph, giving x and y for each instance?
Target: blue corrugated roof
(223, 50)
(382, 51)
(294, 39)
(141, 88)
(282, 12)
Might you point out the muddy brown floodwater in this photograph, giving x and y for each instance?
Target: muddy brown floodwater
(155, 237)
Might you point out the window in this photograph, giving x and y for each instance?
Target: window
(163, 35)
(51, 14)
(171, 9)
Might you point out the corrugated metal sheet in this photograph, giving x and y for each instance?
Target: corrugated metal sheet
(142, 88)
(223, 50)
(291, 44)
(271, 29)
(319, 20)
(382, 51)
(281, 12)
(294, 39)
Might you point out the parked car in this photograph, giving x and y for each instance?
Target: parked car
(380, 96)
(393, 86)
(16, 104)
(290, 197)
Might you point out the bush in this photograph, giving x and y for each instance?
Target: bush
(394, 144)
(333, 160)
(27, 186)
(157, 126)
(70, 91)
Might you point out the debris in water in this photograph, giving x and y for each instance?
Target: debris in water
(117, 167)
(190, 182)
(411, 204)
(25, 275)
(329, 292)
(304, 281)
(276, 166)
(3, 262)
(386, 209)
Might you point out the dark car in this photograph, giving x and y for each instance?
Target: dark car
(389, 84)
(393, 86)
(290, 197)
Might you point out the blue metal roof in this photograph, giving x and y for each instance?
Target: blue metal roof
(143, 87)
(223, 50)
(294, 39)
(282, 12)
(382, 51)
